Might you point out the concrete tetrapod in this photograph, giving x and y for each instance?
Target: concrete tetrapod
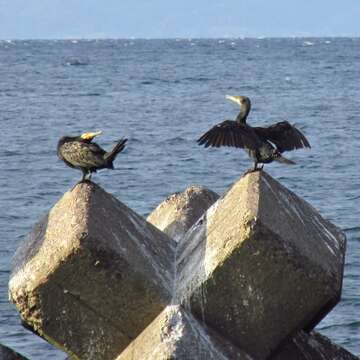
(92, 274)
(313, 346)
(176, 334)
(260, 265)
(176, 214)
(302, 346)
(8, 354)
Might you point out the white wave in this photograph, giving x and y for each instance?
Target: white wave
(308, 43)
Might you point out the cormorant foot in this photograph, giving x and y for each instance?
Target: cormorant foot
(84, 181)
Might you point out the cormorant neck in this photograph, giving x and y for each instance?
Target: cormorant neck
(243, 114)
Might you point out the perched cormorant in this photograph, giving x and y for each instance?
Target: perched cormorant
(263, 144)
(81, 153)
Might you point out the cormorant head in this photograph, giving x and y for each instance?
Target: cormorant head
(245, 106)
(242, 101)
(90, 135)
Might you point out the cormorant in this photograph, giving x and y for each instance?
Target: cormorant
(81, 153)
(263, 144)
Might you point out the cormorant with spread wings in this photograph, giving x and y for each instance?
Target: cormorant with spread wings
(263, 144)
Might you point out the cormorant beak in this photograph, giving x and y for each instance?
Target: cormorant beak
(235, 99)
(90, 135)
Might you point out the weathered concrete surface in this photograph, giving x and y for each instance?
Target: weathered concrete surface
(313, 346)
(176, 334)
(175, 215)
(260, 265)
(9, 354)
(92, 274)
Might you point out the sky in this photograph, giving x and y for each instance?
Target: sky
(58, 19)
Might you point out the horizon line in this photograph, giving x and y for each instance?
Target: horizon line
(185, 38)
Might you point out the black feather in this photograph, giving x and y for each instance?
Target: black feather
(283, 135)
(230, 133)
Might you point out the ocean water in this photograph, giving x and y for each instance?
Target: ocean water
(162, 95)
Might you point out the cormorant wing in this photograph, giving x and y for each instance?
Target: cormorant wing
(95, 148)
(80, 154)
(284, 135)
(230, 133)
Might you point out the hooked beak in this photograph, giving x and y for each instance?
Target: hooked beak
(235, 99)
(90, 135)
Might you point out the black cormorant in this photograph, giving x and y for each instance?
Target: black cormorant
(81, 153)
(263, 144)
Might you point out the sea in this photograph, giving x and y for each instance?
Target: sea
(162, 95)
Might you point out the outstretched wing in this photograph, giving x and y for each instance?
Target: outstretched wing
(230, 133)
(284, 135)
(81, 154)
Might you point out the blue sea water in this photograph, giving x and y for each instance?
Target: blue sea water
(163, 94)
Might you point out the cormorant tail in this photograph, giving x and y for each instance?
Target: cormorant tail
(110, 156)
(284, 160)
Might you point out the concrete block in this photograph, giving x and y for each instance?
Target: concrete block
(92, 274)
(175, 215)
(313, 346)
(8, 354)
(260, 265)
(176, 334)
